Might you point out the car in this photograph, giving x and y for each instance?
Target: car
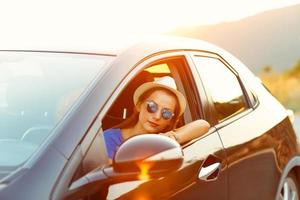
(55, 105)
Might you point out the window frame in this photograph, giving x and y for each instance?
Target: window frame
(184, 78)
(245, 91)
(156, 59)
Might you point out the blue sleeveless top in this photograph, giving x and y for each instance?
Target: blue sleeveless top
(113, 139)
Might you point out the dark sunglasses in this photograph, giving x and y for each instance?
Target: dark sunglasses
(152, 107)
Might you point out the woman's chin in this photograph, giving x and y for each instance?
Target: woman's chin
(151, 129)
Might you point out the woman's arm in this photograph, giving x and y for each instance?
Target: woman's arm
(189, 131)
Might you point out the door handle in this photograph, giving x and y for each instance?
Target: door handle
(205, 172)
(210, 169)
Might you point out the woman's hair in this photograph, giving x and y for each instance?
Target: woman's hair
(133, 119)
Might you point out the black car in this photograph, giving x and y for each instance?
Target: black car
(55, 105)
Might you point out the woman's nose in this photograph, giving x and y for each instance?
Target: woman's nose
(157, 115)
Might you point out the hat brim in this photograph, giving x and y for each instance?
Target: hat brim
(147, 86)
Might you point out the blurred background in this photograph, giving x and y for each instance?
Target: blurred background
(265, 35)
(268, 43)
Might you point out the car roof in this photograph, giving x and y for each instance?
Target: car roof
(126, 51)
(117, 47)
(171, 43)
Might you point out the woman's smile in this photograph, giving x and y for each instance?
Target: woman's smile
(153, 124)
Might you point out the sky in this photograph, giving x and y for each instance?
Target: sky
(34, 21)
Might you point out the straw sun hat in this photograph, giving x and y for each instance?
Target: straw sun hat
(166, 82)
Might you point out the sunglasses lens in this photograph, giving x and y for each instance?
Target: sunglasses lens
(151, 107)
(166, 114)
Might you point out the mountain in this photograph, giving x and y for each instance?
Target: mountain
(270, 38)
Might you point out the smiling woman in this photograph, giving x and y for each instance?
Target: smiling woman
(152, 101)
(158, 108)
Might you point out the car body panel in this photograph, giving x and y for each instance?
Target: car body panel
(40, 179)
(183, 183)
(258, 142)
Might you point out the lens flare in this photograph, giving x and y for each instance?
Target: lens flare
(144, 170)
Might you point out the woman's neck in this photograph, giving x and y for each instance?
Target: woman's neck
(132, 131)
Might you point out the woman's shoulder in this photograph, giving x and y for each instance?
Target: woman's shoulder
(113, 136)
(112, 132)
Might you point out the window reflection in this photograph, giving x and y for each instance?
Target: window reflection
(36, 90)
(223, 87)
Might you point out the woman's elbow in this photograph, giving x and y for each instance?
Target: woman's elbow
(203, 125)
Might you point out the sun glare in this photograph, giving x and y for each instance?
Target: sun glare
(156, 16)
(117, 21)
(161, 68)
(144, 170)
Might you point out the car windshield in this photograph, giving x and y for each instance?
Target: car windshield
(36, 90)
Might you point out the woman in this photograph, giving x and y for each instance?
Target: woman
(158, 107)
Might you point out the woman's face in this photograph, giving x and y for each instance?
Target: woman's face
(154, 122)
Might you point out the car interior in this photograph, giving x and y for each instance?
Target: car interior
(122, 108)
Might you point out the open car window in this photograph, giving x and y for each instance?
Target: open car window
(123, 106)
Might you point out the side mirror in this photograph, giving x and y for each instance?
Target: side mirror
(141, 157)
(147, 156)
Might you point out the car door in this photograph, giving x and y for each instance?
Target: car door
(203, 174)
(251, 145)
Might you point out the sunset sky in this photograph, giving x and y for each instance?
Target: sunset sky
(36, 20)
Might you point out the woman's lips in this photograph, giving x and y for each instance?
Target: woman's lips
(153, 124)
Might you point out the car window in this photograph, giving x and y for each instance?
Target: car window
(36, 91)
(123, 106)
(222, 85)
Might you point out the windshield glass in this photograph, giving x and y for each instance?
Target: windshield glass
(36, 90)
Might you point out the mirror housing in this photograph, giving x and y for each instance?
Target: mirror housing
(141, 157)
(148, 154)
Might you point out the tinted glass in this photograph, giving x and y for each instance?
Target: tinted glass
(36, 91)
(223, 87)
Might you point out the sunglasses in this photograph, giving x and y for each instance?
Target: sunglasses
(152, 107)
